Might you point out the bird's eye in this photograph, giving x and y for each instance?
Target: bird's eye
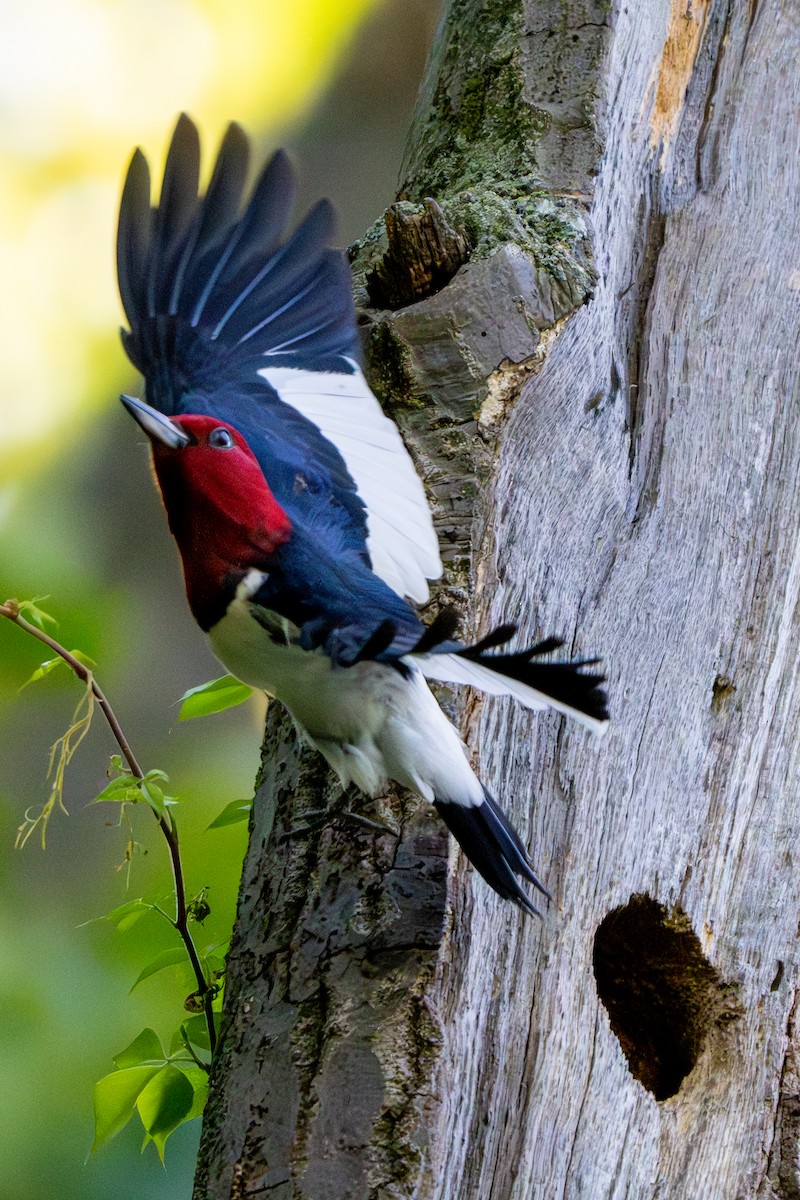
(220, 439)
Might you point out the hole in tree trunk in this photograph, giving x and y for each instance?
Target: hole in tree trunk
(661, 993)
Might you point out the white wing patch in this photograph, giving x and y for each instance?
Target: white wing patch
(451, 668)
(401, 539)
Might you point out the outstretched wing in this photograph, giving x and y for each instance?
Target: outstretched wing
(229, 316)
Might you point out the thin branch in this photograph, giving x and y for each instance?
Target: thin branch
(189, 1048)
(10, 610)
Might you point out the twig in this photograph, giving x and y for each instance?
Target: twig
(10, 610)
(188, 1047)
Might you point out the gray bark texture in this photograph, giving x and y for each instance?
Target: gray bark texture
(604, 401)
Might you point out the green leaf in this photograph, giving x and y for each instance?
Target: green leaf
(199, 1081)
(127, 788)
(237, 810)
(183, 1050)
(44, 669)
(177, 1043)
(122, 790)
(214, 964)
(167, 958)
(146, 1048)
(129, 919)
(196, 1029)
(50, 664)
(124, 916)
(115, 1096)
(153, 795)
(29, 609)
(164, 1104)
(154, 773)
(213, 697)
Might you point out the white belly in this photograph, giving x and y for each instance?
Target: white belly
(328, 701)
(370, 721)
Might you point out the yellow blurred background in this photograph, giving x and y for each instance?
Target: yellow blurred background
(84, 81)
(81, 83)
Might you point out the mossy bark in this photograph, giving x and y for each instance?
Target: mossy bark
(601, 403)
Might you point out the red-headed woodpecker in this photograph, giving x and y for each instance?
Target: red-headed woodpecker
(302, 525)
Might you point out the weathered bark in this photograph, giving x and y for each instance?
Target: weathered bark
(629, 481)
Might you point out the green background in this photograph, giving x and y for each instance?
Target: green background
(80, 522)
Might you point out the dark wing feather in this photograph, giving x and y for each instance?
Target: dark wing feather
(173, 217)
(337, 603)
(284, 281)
(217, 215)
(209, 289)
(224, 196)
(213, 289)
(133, 239)
(251, 246)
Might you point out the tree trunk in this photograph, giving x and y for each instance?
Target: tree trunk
(393, 1029)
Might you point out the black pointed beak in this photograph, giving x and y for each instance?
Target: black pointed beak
(157, 427)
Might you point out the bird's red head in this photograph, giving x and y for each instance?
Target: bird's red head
(220, 508)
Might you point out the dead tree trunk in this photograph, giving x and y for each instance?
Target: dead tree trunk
(627, 478)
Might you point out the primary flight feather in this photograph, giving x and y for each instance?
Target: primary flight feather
(303, 527)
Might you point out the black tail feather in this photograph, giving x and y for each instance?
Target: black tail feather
(496, 637)
(494, 848)
(442, 628)
(566, 682)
